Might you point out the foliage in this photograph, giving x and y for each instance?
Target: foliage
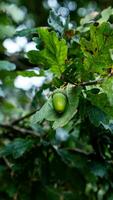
(50, 155)
(54, 53)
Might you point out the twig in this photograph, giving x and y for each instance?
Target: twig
(20, 130)
(15, 196)
(21, 62)
(76, 150)
(24, 117)
(93, 82)
(8, 164)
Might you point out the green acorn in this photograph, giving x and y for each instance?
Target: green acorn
(59, 102)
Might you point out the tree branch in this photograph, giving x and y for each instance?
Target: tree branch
(20, 130)
(21, 62)
(76, 150)
(24, 117)
(8, 164)
(93, 82)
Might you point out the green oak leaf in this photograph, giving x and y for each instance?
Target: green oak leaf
(96, 48)
(53, 55)
(47, 111)
(16, 148)
(108, 89)
(101, 101)
(97, 116)
(73, 100)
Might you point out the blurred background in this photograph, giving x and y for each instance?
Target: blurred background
(24, 88)
(20, 90)
(16, 15)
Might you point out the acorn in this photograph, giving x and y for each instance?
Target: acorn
(59, 101)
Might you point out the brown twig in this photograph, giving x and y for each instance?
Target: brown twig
(20, 130)
(93, 82)
(21, 62)
(8, 164)
(77, 150)
(24, 117)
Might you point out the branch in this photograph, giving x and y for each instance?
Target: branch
(8, 164)
(21, 62)
(24, 117)
(20, 130)
(90, 82)
(93, 82)
(76, 150)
